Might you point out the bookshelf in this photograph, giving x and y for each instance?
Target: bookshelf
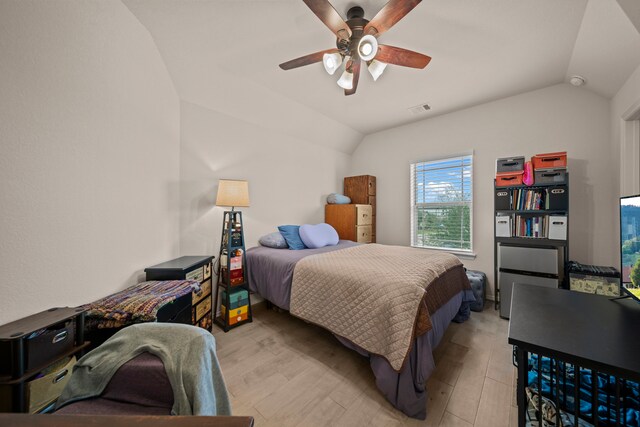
(232, 288)
(524, 217)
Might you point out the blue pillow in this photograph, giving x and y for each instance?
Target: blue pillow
(291, 234)
(319, 235)
(273, 240)
(338, 199)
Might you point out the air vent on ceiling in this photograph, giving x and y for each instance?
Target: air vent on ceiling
(420, 109)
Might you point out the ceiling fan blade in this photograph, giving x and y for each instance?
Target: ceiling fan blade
(389, 15)
(399, 56)
(312, 58)
(330, 17)
(356, 76)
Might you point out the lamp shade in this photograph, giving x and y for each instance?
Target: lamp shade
(233, 193)
(376, 68)
(346, 80)
(367, 47)
(331, 62)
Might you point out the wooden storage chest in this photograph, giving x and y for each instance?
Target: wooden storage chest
(362, 191)
(352, 222)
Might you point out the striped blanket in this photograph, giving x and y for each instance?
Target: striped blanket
(136, 304)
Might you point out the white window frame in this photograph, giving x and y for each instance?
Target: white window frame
(412, 189)
(630, 150)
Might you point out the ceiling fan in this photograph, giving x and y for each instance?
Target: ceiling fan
(357, 42)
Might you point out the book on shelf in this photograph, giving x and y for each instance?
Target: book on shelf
(536, 227)
(529, 199)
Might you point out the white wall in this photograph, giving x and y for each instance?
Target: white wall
(556, 118)
(627, 98)
(289, 178)
(89, 168)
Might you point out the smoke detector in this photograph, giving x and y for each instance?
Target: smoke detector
(577, 81)
(419, 109)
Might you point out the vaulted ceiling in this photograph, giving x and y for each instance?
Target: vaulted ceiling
(224, 55)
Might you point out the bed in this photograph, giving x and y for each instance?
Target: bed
(402, 300)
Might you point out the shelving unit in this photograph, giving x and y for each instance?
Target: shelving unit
(232, 275)
(560, 207)
(37, 357)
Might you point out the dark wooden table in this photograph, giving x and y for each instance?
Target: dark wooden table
(586, 330)
(24, 420)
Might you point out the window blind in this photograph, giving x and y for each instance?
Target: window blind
(441, 203)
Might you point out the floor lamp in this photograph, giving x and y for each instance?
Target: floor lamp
(232, 276)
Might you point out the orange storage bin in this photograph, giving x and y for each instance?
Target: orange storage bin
(507, 179)
(550, 160)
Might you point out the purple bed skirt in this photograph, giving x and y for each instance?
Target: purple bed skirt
(270, 273)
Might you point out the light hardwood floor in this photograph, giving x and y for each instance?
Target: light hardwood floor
(285, 372)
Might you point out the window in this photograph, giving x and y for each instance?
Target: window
(441, 203)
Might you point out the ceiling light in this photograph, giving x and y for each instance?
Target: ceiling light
(577, 80)
(376, 68)
(367, 47)
(346, 80)
(331, 62)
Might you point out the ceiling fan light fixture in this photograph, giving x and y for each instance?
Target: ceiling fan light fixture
(331, 62)
(367, 47)
(376, 68)
(346, 80)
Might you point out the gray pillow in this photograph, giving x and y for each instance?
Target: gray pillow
(273, 240)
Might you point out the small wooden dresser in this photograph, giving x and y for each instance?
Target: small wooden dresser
(362, 191)
(352, 222)
(196, 268)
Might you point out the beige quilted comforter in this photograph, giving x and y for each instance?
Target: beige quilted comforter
(377, 296)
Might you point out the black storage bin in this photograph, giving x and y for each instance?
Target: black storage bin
(510, 164)
(39, 347)
(502, 200)
(558, 198)
(50, 343)
(550, 176)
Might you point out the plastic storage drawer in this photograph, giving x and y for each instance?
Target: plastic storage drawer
(47, 344)
(42, 390)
